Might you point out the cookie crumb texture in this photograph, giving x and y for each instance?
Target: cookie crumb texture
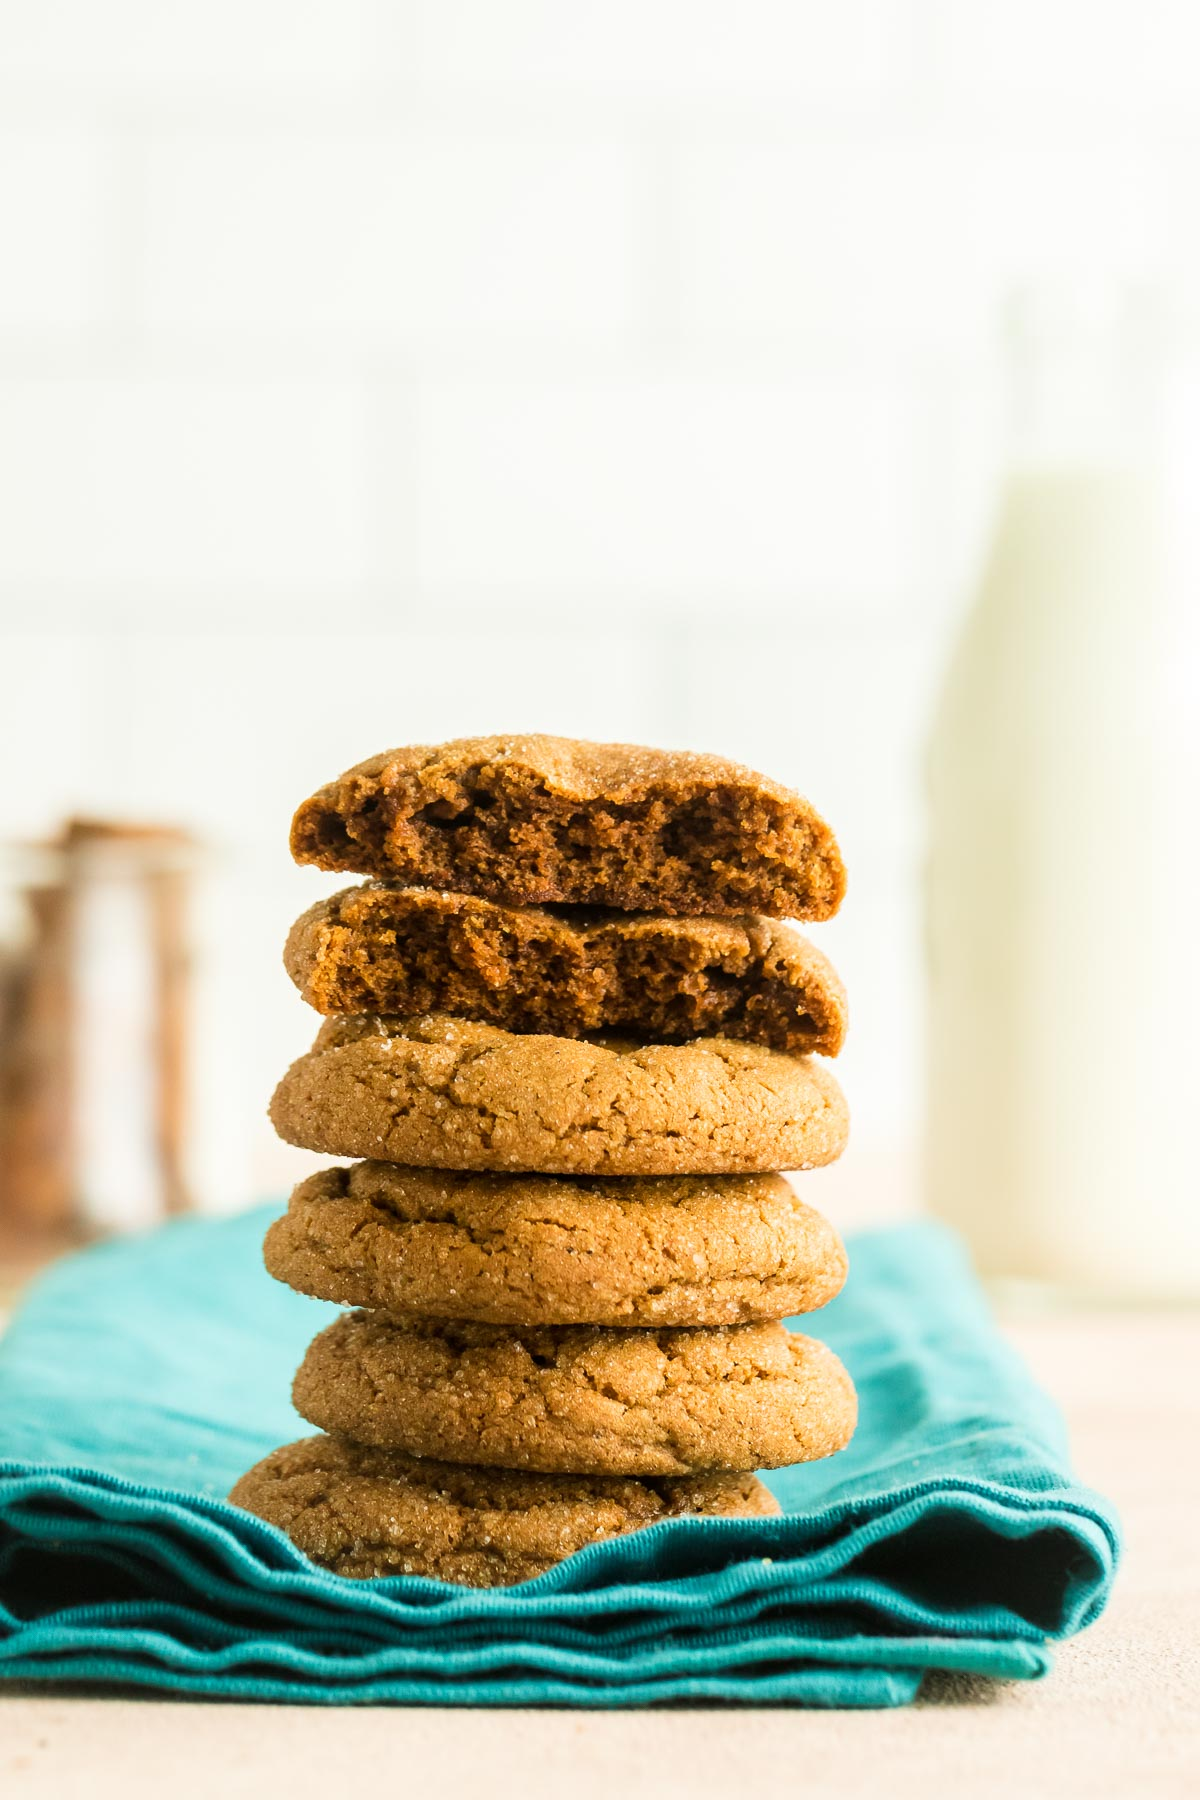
(364, 1512)
(579, 1399)
(557, 1250)
(537, 820)
(385, 949)
(443, 1093)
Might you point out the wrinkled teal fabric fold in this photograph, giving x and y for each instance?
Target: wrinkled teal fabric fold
(140, 1378)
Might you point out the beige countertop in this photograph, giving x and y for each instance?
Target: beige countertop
(1119, 1716)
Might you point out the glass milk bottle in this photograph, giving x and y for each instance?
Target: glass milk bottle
(1062, 899)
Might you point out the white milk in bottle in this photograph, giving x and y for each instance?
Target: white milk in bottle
(1062, 903)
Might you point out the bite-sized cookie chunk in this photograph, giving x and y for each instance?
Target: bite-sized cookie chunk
(557, 1249)
(579, 1399)
(538, 820)
(385, 949)
(442, 1093)
(365, 1512)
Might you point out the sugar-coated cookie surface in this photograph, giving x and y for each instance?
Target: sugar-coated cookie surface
(533, 820)
(578, 1399)
(556, 1249)
(365, 1512)
(379, 948)
(438, 1092)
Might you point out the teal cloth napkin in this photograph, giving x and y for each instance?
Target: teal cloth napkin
(140, 1378)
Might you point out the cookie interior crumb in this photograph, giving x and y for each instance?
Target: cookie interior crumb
(538, 820)
(379, 948)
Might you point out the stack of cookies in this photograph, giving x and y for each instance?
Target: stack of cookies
(573, 1047)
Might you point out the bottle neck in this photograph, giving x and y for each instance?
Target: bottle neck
(1083, 382)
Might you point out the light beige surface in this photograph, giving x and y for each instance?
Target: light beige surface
(1119, 1719)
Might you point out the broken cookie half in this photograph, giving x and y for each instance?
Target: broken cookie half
(542, 821)
(381, 948)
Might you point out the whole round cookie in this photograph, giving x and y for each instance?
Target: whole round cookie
(445, 1093)
(365, 1512)
(579, 1399)
(555, 1249)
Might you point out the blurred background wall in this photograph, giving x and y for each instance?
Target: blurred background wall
(373, 373)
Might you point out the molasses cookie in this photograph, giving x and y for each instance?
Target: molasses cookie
(364, 1512)
(557, 1249)
(444, 1093)
(378, 948)
(532, 821)
(578, 1399)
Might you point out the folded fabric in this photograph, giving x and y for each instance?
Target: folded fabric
(141, 1377)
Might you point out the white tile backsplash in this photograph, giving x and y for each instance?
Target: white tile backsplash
(150, 478)
(671, 484)
(58, 204)
(391, 237)
(1121, 57)
(164, 50)
(662, 52)
(830, 234)
(378, 370)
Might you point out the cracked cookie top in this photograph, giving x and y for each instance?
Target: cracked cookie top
(366, 1512)
(440, 1092)
(579, 1399)
(554, 1250)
